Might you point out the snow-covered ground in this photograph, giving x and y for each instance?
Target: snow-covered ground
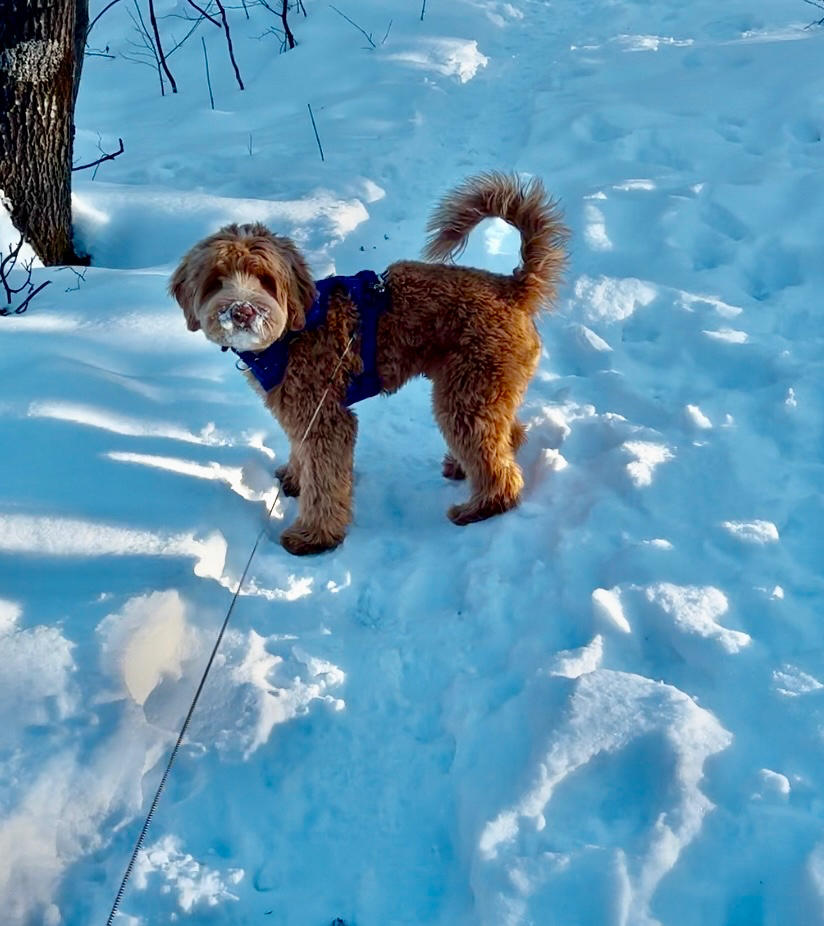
(606, 707)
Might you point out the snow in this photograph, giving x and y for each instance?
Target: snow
(193, 882)
(759, 532)
(604, 707)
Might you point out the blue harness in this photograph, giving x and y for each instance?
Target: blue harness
(370, 297)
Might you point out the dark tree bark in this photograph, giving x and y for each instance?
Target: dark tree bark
(41, 55)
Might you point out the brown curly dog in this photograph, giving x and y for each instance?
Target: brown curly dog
(469, 331)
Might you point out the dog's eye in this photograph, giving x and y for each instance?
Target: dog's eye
(210, 287)
(269, 284)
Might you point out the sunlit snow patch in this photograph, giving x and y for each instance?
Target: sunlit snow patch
(256, 689)
(501, 238)
(146, 641)
(727, 335)
(694, 610)
(649, 42)
(35, 674)
(791, 681)
(595, 232)
(608, 299)
(45, 536)
(115, 423)
(235, 477)
(697, 418)
(647, 456)
(459, 58)
(608, 711)
(606, 604)
(573, 663)
(193, 882)
(634, 185)
(756, 532)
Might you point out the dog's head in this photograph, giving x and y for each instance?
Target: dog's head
(244, 287)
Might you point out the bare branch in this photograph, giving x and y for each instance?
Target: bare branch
(149, 46)
(104, 10)
(203, 13)
(362, 31)
(160, 55)
(229, 42)
(287, 37)
(105, 157)
(317, 137)
(290, 39)
(80, 277)
(185, 38)
(7, 265)
(208, 77)
(816, 22)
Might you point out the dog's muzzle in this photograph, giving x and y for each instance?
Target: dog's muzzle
(239, 315)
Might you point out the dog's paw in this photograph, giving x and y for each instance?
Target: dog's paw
(480, 509)
(451, 468)
(288, 481)
(301, 541)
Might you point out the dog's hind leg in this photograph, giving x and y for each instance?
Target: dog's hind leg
(517, 435)
(452, 469)
(480, 429)
(325, 462)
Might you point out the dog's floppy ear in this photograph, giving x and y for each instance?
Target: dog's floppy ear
(183, 288)
(300, 289)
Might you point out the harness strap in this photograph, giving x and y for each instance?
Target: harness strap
(371, 298)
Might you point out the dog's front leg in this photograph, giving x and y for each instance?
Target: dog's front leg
(325, 461)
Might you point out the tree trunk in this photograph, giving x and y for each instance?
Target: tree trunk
(41, 55)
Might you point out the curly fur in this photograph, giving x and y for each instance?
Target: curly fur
(471, 332)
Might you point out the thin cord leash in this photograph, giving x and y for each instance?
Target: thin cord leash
(156, 799)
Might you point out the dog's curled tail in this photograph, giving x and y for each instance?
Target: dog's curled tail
(524, 204)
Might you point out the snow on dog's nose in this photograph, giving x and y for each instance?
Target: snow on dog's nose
(242, 313)
(238, 315)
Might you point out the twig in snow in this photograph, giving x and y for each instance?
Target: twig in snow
(362, 31)
(317, 137)
(105, 157)
(290, 39)
(80, 278)
(148, 51)
(229, 42)
(185, 38)
(208, 78)
(160, 54)
(203, 13)
(7, 265)
(104, 10)
(817, 22)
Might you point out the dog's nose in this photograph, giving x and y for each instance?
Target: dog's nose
(242, 313)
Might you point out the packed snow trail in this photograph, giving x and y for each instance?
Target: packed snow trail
(604, 707)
